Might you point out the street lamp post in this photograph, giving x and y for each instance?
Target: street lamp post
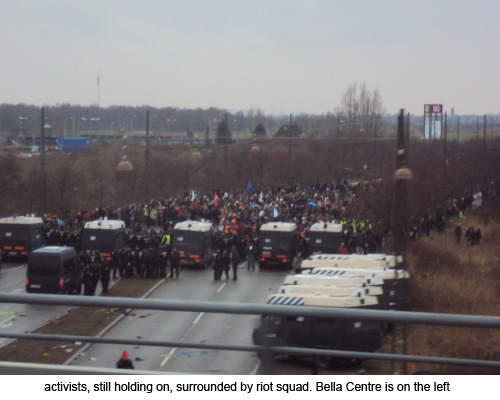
(42, 164)
(147, 158)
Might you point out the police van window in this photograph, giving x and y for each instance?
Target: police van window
(326, 320)
(180, 238)
(318, 241)
(44, 266)
(267, 240)
(92, 238)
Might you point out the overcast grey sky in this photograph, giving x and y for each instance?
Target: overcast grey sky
(277, 55)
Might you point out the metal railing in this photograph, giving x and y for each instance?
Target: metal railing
(254, 309)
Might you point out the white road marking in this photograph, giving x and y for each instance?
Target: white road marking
(224, 284)
(5, 323)
(169, 356)
(198, 318)
(254, 372)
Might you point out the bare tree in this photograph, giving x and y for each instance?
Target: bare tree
(361, 110)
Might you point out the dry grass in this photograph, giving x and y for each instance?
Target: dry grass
(454, 278)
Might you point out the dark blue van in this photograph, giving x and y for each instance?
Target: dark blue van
(54, 269)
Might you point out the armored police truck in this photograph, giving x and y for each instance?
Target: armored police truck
(104, 236)
(340, 290)
(194, 241)
(19, 236)
(324, 238)
(358, 260)
(319, 333)
(277, 244)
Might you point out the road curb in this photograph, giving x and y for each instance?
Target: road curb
(111, 325)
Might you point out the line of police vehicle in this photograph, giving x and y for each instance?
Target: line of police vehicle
(326, 279)
(53, 262)
(55, 268)
(374, 281)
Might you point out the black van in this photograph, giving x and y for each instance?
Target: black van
(277, 244)
(19, 236)
(54, 269)
(194, 242)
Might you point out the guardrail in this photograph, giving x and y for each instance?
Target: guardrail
(253, 309)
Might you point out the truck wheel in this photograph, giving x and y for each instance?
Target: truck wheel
(322, 361)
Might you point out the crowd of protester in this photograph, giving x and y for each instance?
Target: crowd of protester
(236, 218)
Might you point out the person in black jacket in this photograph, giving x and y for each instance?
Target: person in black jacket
(235, 260)
(124, 362)
(218, 265)
(175, 261)
(226, 261)
(105, 275)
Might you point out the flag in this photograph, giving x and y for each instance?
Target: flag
(261, 197)
(275, 213)
(216, 199)
(193, 195)
(249, 187)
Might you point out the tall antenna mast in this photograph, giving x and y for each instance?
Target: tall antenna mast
(98, 91)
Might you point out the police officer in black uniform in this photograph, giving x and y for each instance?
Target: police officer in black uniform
(95, 269)
(128, 261)
(115, 263)
(175, 260)
(86, 280)
(163, 262)
(105, 275)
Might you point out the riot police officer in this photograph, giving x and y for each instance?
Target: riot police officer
(175, 261)
(105, 275)
(95, 269)
(163, 263)
(115, 263)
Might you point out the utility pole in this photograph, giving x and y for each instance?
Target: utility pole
(458, 128)
(407, 139)
(445, 143)
(42, 165)
(147, 158)
(290, 151)
(477, 127)
(484, 133)
(400, 231)
(226, 138)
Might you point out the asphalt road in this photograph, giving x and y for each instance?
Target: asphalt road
(193, 327)
(22, 317)
(187, 327)
(15, 318)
